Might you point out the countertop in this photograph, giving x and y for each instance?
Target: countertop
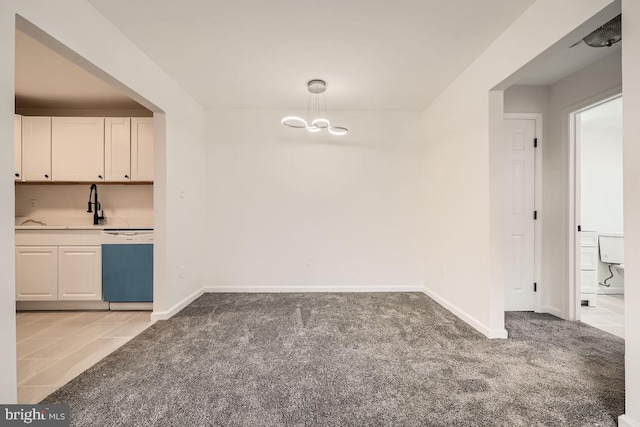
(81, 223)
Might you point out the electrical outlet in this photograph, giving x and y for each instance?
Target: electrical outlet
(181, 272)
(33, 202)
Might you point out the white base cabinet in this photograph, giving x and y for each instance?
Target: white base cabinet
(79, 273)
(58, 265)
(589, 267)
(36, 273)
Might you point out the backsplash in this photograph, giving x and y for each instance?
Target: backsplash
(70, 200)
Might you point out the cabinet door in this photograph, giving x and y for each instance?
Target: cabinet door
(36, 148)
(77, 149)
(588, 258)
(588, 281)
(36, 273)
(79, 273)
(117, 149)
(142, 149)
(17, 140)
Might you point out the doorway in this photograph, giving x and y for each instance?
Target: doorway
(522, 163)
(598, 212)
(63, 323)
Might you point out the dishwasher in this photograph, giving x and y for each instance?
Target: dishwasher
(127, 266)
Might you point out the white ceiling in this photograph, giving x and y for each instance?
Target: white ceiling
(46, 80)
(550, 71)
(374, 54)
(243, 54)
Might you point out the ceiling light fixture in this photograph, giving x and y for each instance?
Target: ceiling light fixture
(606, 35)
(316, 106)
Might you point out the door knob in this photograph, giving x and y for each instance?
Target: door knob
(100, 176)
(126, 176)
(46, 176)
(17, 175)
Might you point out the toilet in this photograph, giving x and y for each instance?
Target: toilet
(612, 252)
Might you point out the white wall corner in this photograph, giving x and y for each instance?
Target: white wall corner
(554, 311)
(167, 314)
(625, 421)
(467, 318)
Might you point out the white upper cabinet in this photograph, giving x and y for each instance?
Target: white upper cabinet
(117, 149)
(36, 148)
(142, 149)
(77, 148)
(17, 140)
(83, 149)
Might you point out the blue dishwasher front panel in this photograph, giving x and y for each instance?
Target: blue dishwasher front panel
(127, 273)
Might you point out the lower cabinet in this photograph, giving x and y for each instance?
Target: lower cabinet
(37, 273)
(589, 267)
(58, 273)
(79, 273)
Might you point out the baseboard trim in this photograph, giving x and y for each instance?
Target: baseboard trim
(61, 305)
(609, 291)
(467, 318)
(128, 306)
(308, 289)
(164, 315)
(625, 421)
(551, 310)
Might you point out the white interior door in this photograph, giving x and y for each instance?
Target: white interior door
(519, 206)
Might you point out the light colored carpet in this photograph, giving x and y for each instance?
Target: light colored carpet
(383, 359)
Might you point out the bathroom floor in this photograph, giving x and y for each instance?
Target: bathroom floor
(608, 314)
(55, 347)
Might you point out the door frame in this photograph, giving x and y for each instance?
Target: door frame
(537, 239)
(573, 238)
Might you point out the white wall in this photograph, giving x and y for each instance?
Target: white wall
(69, 201)
(7, 237)
(290, 210)
(463, 171)
(601, 167)
(631, 150)
(179, 151)
(528, 99)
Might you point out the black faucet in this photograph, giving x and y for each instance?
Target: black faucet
(96, 205)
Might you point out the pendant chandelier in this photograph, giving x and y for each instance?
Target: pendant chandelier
(317, 107)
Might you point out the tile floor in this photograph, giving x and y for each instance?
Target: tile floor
(608, 314)
(55, 347)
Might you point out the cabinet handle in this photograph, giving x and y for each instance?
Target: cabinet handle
(126, 176)
(46, 176)
(17, 175)
(100, 176)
